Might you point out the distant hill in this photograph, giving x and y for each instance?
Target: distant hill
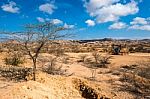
(110, 39)
(93, 40)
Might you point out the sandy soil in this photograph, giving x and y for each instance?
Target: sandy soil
(60, 87)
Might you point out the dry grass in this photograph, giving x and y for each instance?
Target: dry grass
(136, 79)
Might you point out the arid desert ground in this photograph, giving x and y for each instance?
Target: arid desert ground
(74, 49)
(75, 78)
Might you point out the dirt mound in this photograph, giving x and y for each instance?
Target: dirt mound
(50, 87)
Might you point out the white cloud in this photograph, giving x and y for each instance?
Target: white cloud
(68, 26)
(10, 7)
(140, 27)
(118, 25)
(94, 5)
(90, 22)
(47, 8)
(40, 19)
(139, 20)
(56, 21)
(140, 23)
(110, 10)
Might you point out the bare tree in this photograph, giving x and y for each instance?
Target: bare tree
(36, 36)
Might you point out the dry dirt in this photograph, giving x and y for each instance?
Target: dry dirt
(63, 87)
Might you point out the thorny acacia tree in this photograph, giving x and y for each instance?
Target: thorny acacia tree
(36, 36)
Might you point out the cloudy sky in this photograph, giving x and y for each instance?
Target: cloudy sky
(89, 19)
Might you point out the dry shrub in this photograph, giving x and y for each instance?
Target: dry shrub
(144, 72)
(14, 58)
(75, 48)
(136, 79)
(52, 68)
(16, 73)
(82, 58)
(57, 50)
(144, 69)
(65, 59)
(136, 84)
(98, 62)
(105, 60)
(96, 56)
(101, 61)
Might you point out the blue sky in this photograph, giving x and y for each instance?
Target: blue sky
(89, 19)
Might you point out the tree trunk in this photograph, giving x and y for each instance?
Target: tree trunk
(34, 69)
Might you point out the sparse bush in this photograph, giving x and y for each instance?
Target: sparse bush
(43, 60)
(131, 50)
(136, 84)
(14, 59)
(57, 50)
(101, 61)
(144, 72)
(105, 60)
(16, 73)
(96, 56)
(51, 67)
(65, 59)
(136, 79)
(83, 58)
(144, 69)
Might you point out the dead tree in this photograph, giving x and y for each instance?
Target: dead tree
(36, 36)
